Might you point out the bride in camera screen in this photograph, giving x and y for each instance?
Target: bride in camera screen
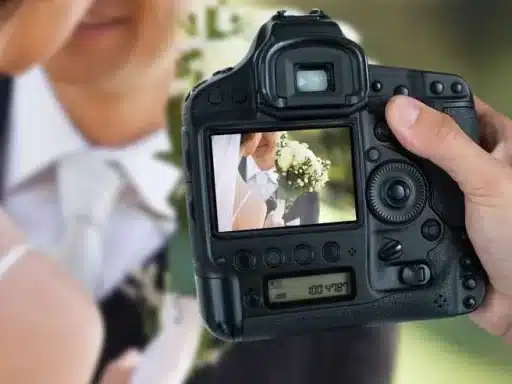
(276, 179)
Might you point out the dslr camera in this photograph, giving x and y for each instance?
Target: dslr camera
(305, 213)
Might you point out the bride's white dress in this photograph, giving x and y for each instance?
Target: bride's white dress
(226, 156)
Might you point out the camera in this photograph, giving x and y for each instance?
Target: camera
(305, 213)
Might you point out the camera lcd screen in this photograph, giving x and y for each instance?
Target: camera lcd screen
(314, 287)
(278, 179)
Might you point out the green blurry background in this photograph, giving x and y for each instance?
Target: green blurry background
(471, 38)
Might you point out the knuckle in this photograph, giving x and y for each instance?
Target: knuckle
(446, 130)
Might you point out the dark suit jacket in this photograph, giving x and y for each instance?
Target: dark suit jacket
(306, 207)
(348, 356)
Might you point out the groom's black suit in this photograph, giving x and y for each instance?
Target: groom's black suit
(306, 207)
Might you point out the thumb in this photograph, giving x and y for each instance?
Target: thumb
(437, 137)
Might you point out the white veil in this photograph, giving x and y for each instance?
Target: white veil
(226, 158)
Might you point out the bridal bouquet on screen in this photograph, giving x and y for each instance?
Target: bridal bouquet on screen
(299, 170)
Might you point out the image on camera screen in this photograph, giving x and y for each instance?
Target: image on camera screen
(283, 179)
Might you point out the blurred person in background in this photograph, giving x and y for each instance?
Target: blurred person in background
(51, 332)
(81, 180)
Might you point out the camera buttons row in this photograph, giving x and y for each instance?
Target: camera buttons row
(274, 258)
(436, 87)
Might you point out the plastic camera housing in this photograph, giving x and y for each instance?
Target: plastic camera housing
(403, 262)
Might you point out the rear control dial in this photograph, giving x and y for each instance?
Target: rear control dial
(396, 193)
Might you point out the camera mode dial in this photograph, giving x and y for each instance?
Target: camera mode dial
(396, 193)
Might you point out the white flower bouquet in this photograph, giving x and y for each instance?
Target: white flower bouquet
(299, 170)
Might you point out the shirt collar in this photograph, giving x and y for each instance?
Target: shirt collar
(253, 169)
(41, 134)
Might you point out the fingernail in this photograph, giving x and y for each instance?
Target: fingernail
(404, 113)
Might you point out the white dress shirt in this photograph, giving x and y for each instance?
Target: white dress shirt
(40, 134)
(263, 182)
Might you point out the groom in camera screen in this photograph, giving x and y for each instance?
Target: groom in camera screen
(258, 171)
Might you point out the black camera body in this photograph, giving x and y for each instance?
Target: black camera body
(405, 255)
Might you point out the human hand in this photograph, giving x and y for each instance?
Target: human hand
(33, 30)
(484, 175)
(275, 218)
(120, 371)
(63, 346)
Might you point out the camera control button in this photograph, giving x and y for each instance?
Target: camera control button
(431, 230)
(372, 155)
(397, 193)
(457, 88)
(437, 88)
(382, 132)
(244, 260)
(469, 283)
(402, 90)
(331, 252)
(215, 96)
(415, 275)
(391, 250)
(376, 86)
(303, 255)
(273, 258)
(469, 302)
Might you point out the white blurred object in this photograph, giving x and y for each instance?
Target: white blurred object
(293, 222)
(221, 53)
(281, 205)
(170, 356)
(275, 218)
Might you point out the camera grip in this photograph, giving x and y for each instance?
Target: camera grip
(446, 197)
(466, 119)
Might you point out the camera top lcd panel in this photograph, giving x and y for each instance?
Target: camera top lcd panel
(305, 213)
